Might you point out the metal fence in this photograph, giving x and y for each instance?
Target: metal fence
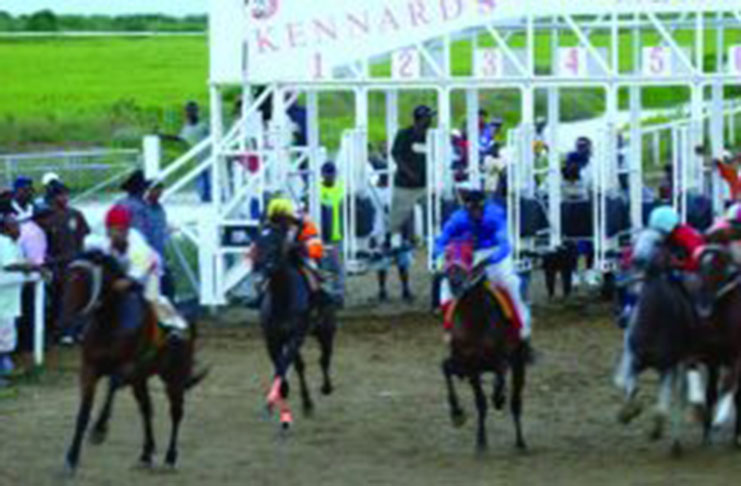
(86, 172)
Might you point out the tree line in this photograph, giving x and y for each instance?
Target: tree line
(48, 21)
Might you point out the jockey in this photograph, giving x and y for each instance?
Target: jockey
(142, 266)
(486, 223)
(727, 232)
(281, 212)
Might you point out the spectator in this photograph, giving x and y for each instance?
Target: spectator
(66, 229)
(581, 157)
(193, 132)
(572, 185)
(136, 186)
(159, 236)
(33, 243)
(666, 185)
(729, 171)
(11, 261)
(48, 180)
(410, 183)
(22, 204)
(332, 195)
(489, 133)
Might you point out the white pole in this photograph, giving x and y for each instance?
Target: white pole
(152, 156)
(39, 322)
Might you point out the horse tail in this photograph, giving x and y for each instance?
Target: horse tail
(194, 379)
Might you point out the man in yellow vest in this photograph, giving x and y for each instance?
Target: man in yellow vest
(332, 195)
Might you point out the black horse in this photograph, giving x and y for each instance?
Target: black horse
(483, 340)
(289, 311)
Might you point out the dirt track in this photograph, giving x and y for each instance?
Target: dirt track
(387, 422)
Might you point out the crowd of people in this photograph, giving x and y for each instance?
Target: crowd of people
(43, 235)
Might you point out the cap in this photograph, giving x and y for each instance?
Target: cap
(49, 177)
(424, 111)
(22, 181)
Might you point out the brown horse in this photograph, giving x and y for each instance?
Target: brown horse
(719, 338)
(483, 340)
(127, 356)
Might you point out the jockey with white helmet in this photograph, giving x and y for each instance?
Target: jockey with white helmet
(486, 223)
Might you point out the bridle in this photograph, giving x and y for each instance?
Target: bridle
(96, 272)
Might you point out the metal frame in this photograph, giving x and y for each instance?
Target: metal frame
(593, 33)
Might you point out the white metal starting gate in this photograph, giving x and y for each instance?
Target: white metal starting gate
(295, 48)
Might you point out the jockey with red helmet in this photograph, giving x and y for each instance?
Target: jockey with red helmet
(142, 266)
(486, 223)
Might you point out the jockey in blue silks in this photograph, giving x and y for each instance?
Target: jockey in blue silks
(485, 222)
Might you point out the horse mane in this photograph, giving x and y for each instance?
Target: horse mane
(98, 257)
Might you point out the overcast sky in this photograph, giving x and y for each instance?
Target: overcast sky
(109, 7)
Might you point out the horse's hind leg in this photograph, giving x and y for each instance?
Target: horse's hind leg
(518, 385)
(481, 442)
(456, 412)
(88, 380)
(308, 405)
(141, 394)
(499, 398)
(325, 336)
(100, 429)
(176, 396)
(711, 398)
(737, 432)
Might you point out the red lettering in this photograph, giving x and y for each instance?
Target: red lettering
(445, 7)
(487, 6)
(417, 13)
(326, 30)
(264, 41)
(388, 21)
(296, 36)
(358, 26)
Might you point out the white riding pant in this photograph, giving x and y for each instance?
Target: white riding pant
(503, 275)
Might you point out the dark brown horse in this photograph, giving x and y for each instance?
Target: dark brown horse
(288, 313)
(126, 356)
(719, 338)
(483, 340)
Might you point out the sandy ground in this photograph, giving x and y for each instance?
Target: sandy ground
(387, 422)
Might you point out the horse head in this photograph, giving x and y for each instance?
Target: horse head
(460, 269)
(271, 249)
(88, 280)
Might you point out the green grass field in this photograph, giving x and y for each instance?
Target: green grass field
(62, 92)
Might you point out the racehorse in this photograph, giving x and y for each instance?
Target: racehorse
(483, 339)
(128, 358)
(659, 335)
(288, 313)
(720, 335)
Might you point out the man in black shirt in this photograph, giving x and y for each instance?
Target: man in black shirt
(410, 181)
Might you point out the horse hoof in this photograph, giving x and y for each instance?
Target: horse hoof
(629, 412)
(308, 410)
(144, 464)
(481, 447)
(676, 449)
(327, 389)
(499, 401)
(657, 432)
(98, 436)
(737, 443)
(521, 446)
(70, 469)
(458, 419)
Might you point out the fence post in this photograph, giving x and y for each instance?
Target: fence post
(152, 155)
(39, 322)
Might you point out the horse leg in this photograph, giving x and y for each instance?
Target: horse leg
(625, 379)
(725, 406)
(325, 336)
(518, 385)
(100, 429)
(677, 414)
(88, 380)
(141, 394)
(308, 405)
(499, 398)
(176, 397)
(711, 398)
(481, 442)
(457, 416)
(666, 388)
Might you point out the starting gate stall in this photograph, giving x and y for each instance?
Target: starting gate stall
(396, 46)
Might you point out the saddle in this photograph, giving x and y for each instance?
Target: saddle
(502, 297)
